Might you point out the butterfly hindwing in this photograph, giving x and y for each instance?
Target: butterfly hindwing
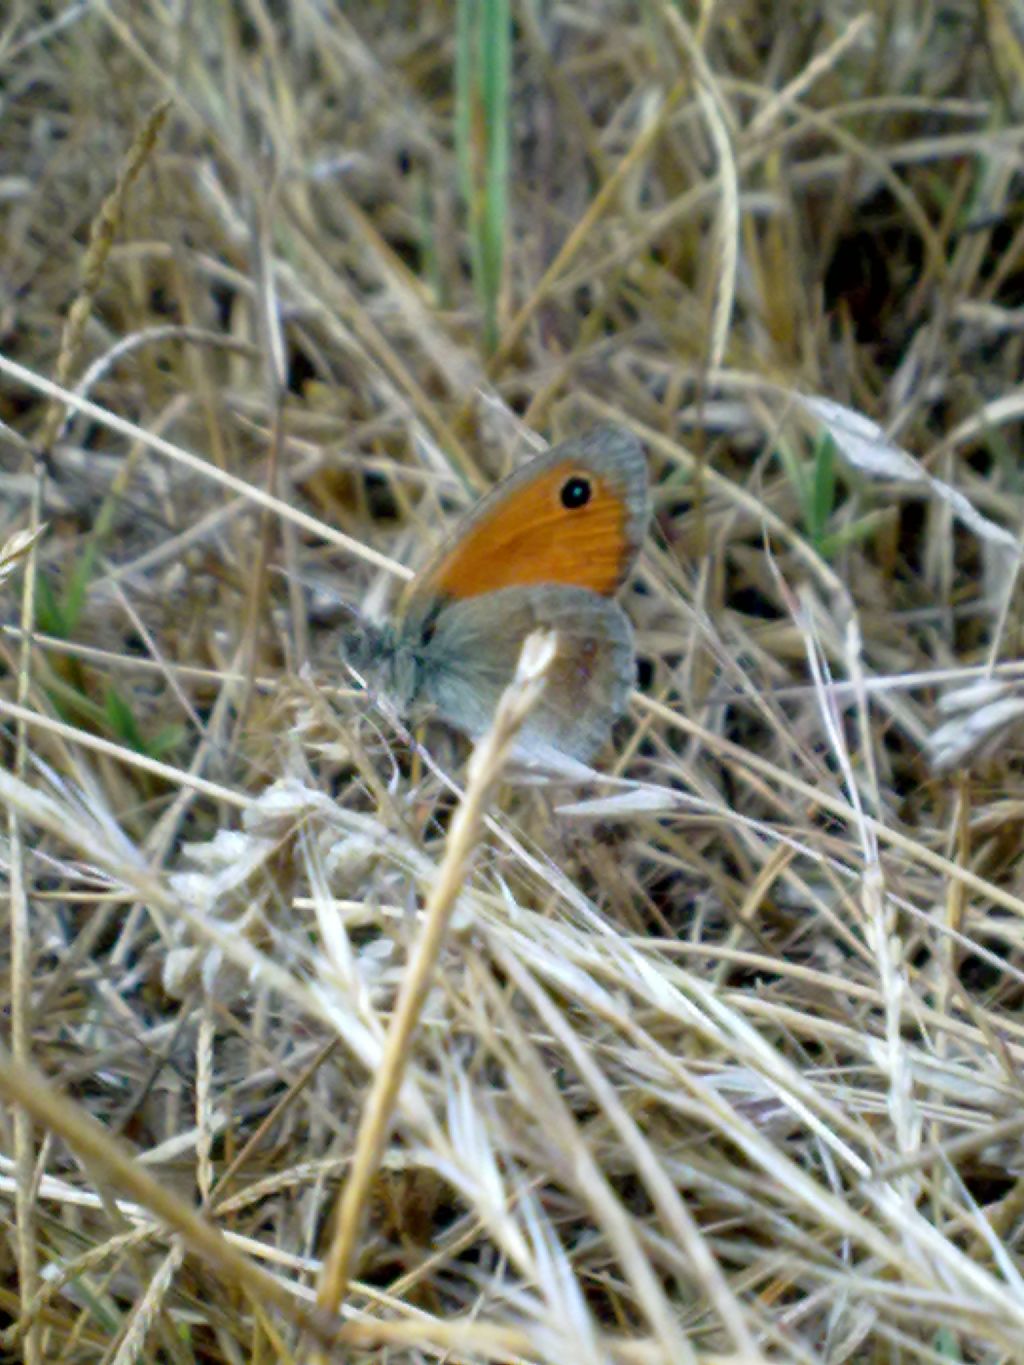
(468, 663)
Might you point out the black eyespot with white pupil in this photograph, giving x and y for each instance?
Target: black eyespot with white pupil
(576, 492)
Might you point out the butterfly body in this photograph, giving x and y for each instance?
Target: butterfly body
(545, 549)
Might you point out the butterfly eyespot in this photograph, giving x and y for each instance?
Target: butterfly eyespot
(576, 492)
(585, 659)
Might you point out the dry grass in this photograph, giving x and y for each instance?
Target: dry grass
(717, 1060)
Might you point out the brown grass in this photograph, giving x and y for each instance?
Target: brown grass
(717, 1059)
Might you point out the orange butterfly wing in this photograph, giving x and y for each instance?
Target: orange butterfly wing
(575, 516)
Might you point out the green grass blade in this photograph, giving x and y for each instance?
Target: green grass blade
(482, 59)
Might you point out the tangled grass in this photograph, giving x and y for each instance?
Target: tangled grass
(324, 1045)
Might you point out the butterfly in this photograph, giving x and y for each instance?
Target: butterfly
(547, 548)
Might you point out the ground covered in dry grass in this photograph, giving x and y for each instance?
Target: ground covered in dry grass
(716, 1058)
